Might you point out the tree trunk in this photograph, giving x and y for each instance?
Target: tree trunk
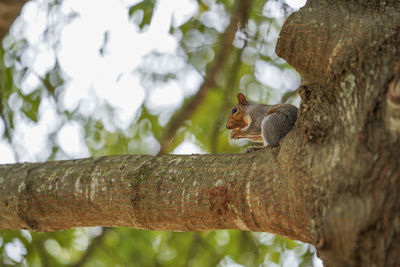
(333, 182)
(346, 140)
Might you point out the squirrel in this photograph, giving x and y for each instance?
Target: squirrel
(260, 123)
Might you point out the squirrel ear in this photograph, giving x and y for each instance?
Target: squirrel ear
(242, 99)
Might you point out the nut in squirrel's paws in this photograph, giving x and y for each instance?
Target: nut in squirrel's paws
(253, 148)
(236, 133)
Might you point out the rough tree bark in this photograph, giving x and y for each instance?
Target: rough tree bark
(333, 182)
(171, 192)
(347, 136)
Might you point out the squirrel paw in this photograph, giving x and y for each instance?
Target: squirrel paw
(253, 148)
(236, 134)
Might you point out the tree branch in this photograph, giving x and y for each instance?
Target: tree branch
(237, 20)
(171, 192)
(94, 244)
(9, 10)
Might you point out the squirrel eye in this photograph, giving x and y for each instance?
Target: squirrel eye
(234, 110)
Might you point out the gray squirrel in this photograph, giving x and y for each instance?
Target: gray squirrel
(260, 123)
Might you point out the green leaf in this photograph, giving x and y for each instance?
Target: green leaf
(31, 105)
(147, 6)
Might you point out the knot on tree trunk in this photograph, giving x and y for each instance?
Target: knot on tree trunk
(324, 35)
(392, 118)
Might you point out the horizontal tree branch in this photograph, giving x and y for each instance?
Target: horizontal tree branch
(169, 192)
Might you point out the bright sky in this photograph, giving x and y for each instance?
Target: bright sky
(92, 78)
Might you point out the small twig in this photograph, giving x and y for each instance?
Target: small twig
(187, 111)
(223, 111)
(38, 243)
(96, 242)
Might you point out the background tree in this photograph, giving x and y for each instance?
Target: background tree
(227, 55)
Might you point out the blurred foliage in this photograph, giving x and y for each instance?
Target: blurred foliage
(144, 11)
(198, 43)
(131, 247)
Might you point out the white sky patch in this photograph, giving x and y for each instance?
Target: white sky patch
(222, 237)
(57, 251)
(289, 258)
(15, 250)
(191, 81)
(188, 147)
(109, 76)
(44, 62)
(127, 96)
(183, 12)
(29, 83)
(75, 91)
(215, 18)
(316, 261)
(70, 139)
(48, 115)
(36, 19)
(80, 43)
(151, 145)
(6, 154)
(2, 127)
(87, 105)
(30, 139)
(157, 37)
(31, 135)
(273, 9)
(167, 95)
(290, 79)
(27, 235)
(268, 74)
(229, 262)
(296, 3)
(92, 77)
